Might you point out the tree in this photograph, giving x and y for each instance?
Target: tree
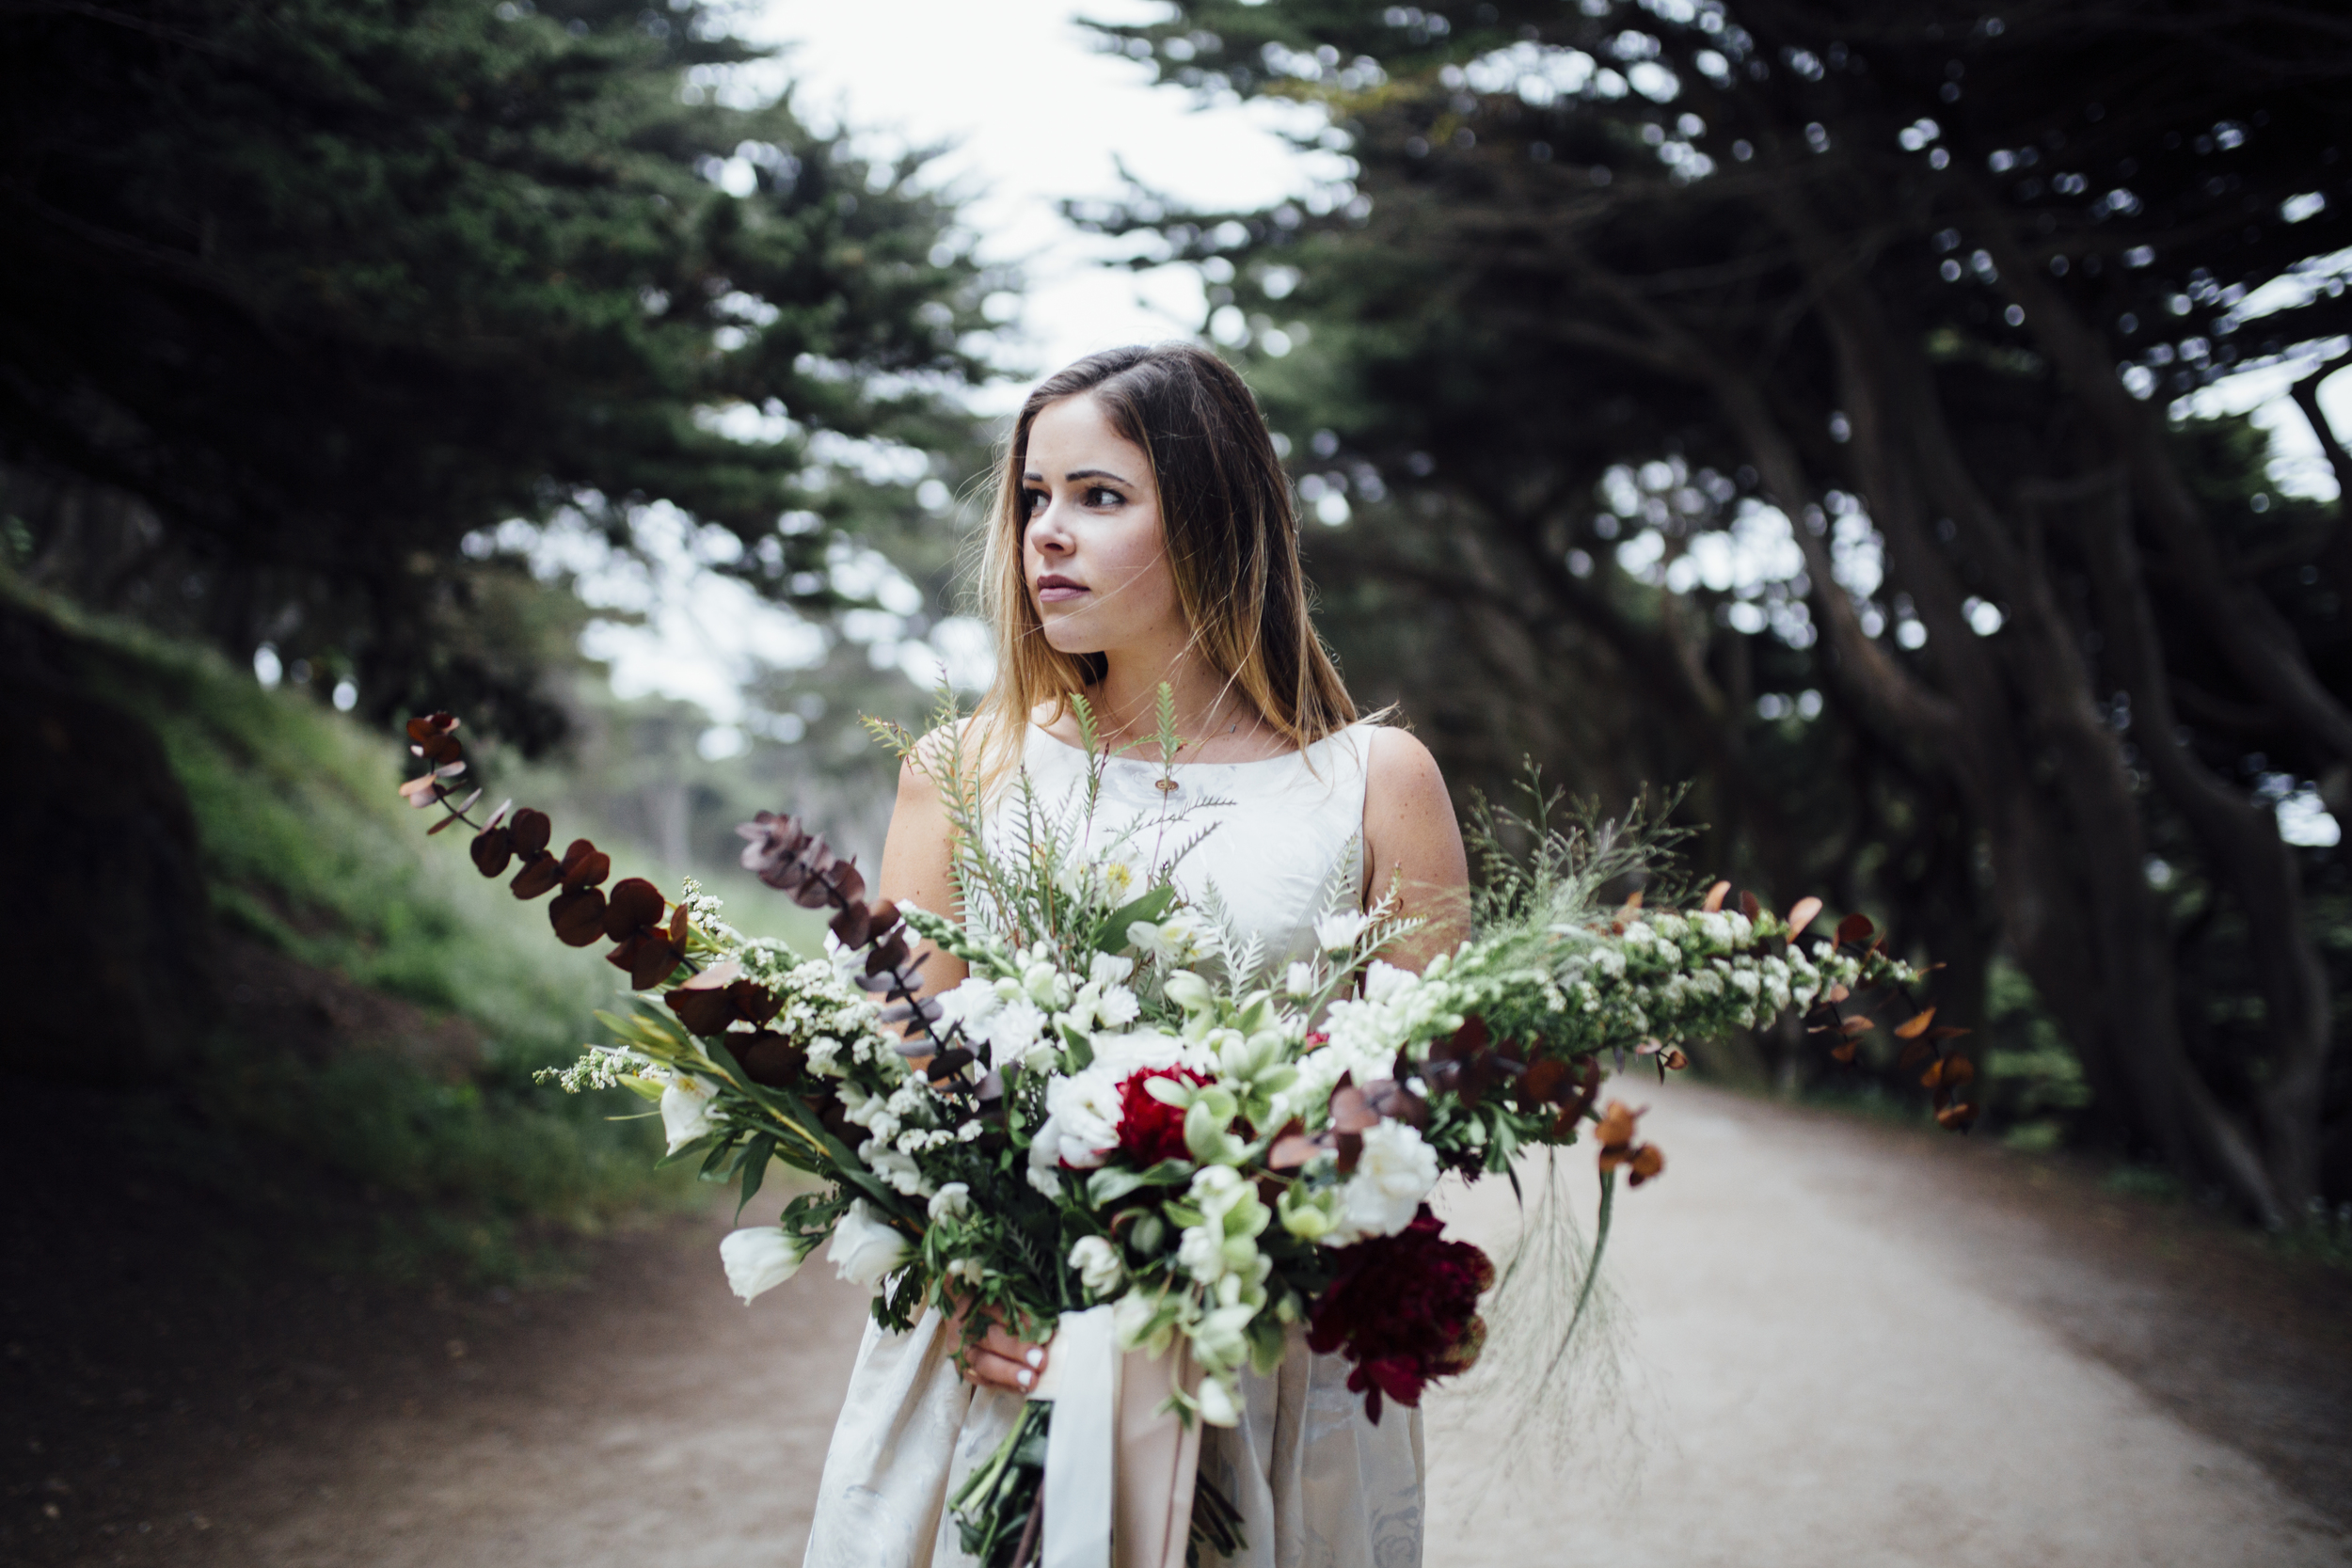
(1616, 292)
(303, 292)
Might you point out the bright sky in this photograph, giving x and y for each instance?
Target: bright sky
(1037, 113)
(1032, 113)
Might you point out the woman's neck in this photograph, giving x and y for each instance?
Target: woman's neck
(1208, 706)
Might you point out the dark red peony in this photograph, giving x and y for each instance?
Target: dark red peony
(1151, 1130)
(1404, 1309)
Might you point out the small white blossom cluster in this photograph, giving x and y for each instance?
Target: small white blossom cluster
(602, 1067)
(838, 1026)
(1026, 1013)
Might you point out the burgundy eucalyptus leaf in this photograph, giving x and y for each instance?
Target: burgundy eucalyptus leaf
(492, 849)
(532, 830)
(578, 916)
(632, 905)
(853, 926)
(768, 1057)
(540, 874)
(585, 866)
(703, 1013)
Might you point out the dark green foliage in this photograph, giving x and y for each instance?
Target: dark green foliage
(338, 1041)
(1922, 280)
(303, 291)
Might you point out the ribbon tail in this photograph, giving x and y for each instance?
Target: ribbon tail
(1159, 1458)
(1082, 1444)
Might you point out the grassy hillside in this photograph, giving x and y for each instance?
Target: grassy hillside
(381, 1007)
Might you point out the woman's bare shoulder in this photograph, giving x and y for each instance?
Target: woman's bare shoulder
(1397, 765)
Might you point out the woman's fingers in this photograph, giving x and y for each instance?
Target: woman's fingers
(998, 1360)
(991, 1370)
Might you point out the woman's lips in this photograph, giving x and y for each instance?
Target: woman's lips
(1054, 589)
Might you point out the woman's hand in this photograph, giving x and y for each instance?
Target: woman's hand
(998, 1360)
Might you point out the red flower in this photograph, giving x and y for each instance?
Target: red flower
(1151, 1130)
(1405, 1310)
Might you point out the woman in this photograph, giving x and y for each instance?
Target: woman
(1144, 534)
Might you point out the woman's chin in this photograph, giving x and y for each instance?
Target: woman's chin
(1070, 639)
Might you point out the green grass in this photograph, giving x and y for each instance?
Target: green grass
(307, 848)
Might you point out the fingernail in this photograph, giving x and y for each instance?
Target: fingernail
(1036, 1356)
(1025, 1377)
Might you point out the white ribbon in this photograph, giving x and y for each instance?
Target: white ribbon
(1082, 1444)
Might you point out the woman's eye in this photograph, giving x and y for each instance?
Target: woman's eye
(1103, 495)
(1032, 502)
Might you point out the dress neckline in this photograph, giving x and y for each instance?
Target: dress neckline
(1059, 744)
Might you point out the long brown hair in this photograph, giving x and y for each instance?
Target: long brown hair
(1233, 548)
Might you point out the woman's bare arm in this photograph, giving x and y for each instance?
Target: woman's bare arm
(917, 868)
(918, 865)
(1414, 845)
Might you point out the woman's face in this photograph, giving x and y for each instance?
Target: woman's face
(1092, 549)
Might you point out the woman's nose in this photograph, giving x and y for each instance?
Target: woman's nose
(1048, 534)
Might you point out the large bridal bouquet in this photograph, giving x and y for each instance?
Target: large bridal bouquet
(1126, 1107)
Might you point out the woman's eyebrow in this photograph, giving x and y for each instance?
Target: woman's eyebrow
(1076, 474)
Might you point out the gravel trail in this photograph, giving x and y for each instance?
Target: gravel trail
(1848, 1345)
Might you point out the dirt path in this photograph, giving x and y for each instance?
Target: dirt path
(1850, 1345)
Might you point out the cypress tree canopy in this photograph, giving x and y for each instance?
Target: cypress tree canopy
(299, 293)
(1669, 361)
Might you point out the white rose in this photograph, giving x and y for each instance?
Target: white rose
(686, 1109)
(1101, 1269)
(951, 1202)
(864, 1247)
(1396, 1171)
(758, 1259)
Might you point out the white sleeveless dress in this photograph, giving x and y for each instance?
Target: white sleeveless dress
(1317, 1485)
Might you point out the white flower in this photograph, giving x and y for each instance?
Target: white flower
(1044, 1149)
(1118, 1007)
(1384, 981)
(685, 1102)
(865, 1247)
(970, 1269)
(1120, 880)
(1012, 1030)
(846, 962)
(1338, 932)
(1173, 940)
(951, 1202)
(1083, 1110)
(758, 1259)
(893, 1168)
(969, 1003)
(1100, 1267)
(1393, 1174)
(1222, 1336)
(1299, 979)
(1200, 1252)
(1188, 991)
(1109, 968)
(1216, 1405)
